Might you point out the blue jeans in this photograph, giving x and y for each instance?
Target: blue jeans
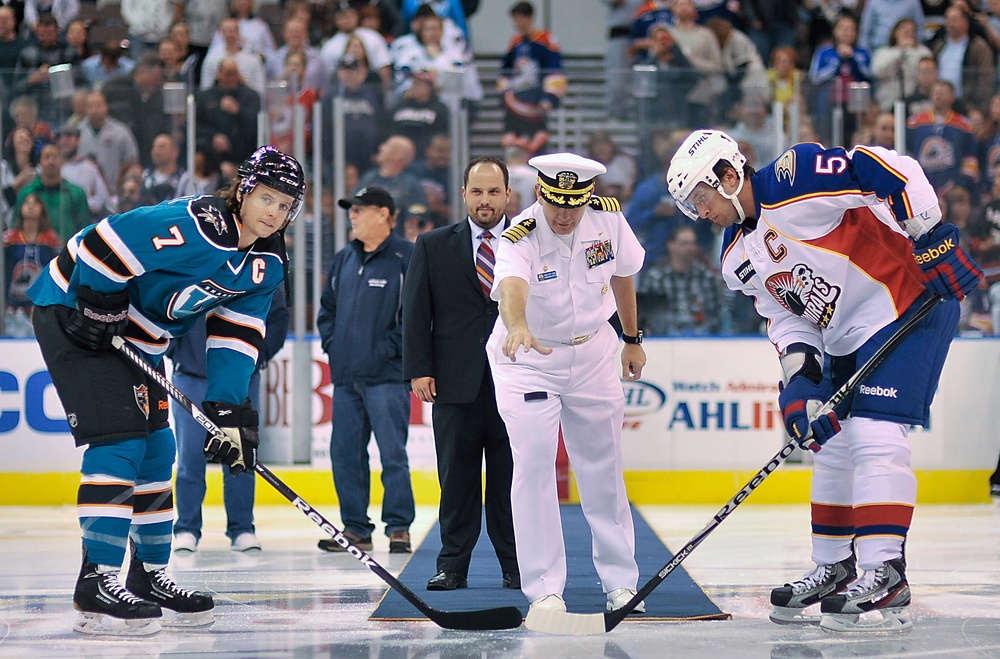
(358, 410)
(189, 493)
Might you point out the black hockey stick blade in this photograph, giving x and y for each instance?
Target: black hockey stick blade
(583, 624)
(507, 617)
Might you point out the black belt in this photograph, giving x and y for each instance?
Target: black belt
(619, 32)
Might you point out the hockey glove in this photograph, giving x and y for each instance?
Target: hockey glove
(806, 392)
(948, 270)
(99, 317)
(238, 447)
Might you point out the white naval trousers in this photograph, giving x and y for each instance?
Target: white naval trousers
(584, 393)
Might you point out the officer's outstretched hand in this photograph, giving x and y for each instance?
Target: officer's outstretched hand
(520, 338)
(633, 359)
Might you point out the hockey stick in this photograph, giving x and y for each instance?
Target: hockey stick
(507, 617)
(584, 624)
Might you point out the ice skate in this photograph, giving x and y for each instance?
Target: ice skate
(883, 593)
(788, 603)
(186, 608)
(107, 608)
(620, 597)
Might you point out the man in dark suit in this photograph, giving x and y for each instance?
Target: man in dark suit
(447, 317)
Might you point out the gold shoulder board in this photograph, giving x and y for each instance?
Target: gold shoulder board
(607, 204)
(519, 230)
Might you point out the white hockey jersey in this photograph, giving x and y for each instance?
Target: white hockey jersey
(826, 261)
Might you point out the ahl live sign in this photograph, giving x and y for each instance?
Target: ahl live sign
(702, 405)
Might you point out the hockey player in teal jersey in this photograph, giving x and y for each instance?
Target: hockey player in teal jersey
(147, 275)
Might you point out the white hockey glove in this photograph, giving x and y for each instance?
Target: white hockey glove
(238, 447)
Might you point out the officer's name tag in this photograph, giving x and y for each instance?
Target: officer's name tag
(598, 253)
(377, 283)
(547, 275)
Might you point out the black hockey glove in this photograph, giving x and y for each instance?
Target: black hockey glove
(99, 317)
(238, 449)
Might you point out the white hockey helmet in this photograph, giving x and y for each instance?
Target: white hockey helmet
(693, 164)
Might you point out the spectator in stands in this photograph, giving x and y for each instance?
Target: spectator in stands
(377, 50)
(364, 114)
(943, 143)
(391, 172)
(744, 68)
(206, 177)
(149, 22)
(295, 34)
(84, 172)
(984, 239)
(879, 20)
(681, 295)
(356, 49)
(281, 114)
(202, 18)
(652, 212)
(170, 54)
(77, 37)
(622, 168)
(429, 52)
(420, 114)
(107, 140)
(254, 30)
(617, 62)
(17, 169)
(895, 64)
(189, 69)
(833, 68)
(248, 62)
(110, 62)
(66, 203)
(128, 195)
(136, 100)
(449, 10)
(920, 100)
(31, 73)
(165, 178)
(434, 173)
(965, 60)
(676, 78)
(64, 11)
(701, 49)
(10, 50)
(822, 15)
(883, 132)
(988, 140)
(78, 103)
(227, 114)
(771, 25)
(522, 176)
(532, 82)
(755, 126)
(651, 13)
(786, 79)
(28, 247)
(24, 112)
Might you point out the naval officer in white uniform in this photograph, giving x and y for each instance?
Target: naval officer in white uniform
(562, 269)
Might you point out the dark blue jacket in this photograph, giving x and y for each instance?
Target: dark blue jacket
(360, 317)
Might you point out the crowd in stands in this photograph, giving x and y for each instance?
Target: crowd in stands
(96, 138)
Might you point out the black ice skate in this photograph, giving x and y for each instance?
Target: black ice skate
(107, 608)
(186, 608)
(788, 603)
(882, 591)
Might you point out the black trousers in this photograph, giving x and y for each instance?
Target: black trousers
(463, 433)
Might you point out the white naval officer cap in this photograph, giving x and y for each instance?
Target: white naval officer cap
(566, 179)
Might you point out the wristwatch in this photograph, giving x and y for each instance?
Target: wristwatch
(635, 340)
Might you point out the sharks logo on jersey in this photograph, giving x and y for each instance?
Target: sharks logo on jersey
(784, 167)
(197, 298)
(213, 216)
(805, 294)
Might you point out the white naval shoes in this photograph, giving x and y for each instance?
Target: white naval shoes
(245, 542)
(619, 597)
(185, 541)
(548, 603)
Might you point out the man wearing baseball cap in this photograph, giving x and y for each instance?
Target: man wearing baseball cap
(562, 270)
(360, 329)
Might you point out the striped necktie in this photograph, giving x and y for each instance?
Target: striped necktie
(485, 262)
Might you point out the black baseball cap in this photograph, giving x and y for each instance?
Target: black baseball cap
(370, 196)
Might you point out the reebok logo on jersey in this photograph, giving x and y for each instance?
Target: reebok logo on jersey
(937, 251)
(884, 392)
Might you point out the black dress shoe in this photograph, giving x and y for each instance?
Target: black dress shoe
(447, 581)
(512, 581)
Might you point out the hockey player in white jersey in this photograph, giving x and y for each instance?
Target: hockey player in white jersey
(838, 248)
(147, 275)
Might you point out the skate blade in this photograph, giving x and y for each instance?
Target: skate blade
(783, 615)
(884, 620)
(200, 619)
(99, 624)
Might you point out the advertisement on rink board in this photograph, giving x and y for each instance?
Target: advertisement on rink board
(701, 404)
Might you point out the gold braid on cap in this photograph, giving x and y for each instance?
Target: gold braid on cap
(563, 197)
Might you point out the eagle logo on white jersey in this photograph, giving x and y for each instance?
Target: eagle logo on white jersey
(784, 167)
